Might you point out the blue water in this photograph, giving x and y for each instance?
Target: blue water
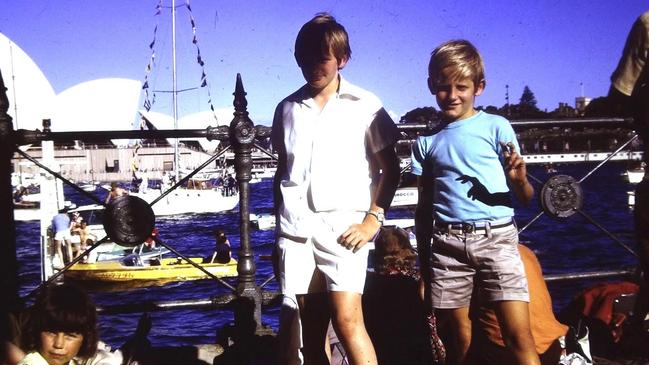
(570, 245)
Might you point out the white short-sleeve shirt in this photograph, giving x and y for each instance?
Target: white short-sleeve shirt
(633, 63)
(327, 153)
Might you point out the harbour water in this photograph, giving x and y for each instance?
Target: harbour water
(563, 246)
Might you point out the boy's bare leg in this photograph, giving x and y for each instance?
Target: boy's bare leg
(315, 316)
(456, 326)
(347, 320)
(68, 247)
(59, 251)
(514, 320)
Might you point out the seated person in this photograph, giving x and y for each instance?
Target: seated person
(222, 250)
(61, 329)
(487, 346)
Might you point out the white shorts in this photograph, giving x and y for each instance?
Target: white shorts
(62, 235)
(321, 264)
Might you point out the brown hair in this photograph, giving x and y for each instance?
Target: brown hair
(462, 56)
(319, 37)
(63, 308)
(393, 250)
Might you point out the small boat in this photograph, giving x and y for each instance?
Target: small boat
(134, 268)
(634, 176)
(199, 196)
(262, 221)
(88, 186)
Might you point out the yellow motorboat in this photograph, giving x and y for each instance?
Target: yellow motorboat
(156, 269)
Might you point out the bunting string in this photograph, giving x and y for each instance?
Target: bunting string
(149, 97)
(199, 60)
(150, 94)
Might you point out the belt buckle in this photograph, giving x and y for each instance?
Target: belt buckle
(467, 227)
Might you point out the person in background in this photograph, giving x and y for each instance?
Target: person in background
(62, 330)
(221, 253)
(629, 93)
(467, 169)
(115, 192)
(61, 225)
(332, 140)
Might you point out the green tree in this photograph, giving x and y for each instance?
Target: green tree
(528, 99)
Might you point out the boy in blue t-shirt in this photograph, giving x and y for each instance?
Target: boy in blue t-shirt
(466, 170)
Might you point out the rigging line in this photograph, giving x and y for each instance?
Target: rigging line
(199, 60)
(199, 267)
(535, 178)
(66, 267)
(264, 151)
(530, 222)
(270, 278)
(177, 91)
(609, 157)
(611, 235)
(60, 177)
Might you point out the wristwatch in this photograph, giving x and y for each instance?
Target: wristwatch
(380, 216)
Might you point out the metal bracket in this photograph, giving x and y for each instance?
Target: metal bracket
(561, 196)
(129, 220)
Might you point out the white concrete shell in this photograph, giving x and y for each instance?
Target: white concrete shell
(31, 97)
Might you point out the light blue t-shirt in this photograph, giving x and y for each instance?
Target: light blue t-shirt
(465, 160)
(61, 222)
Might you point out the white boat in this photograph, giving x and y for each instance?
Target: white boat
(190, 201)
(634, 176)
(197, 197)
(406, 196)
(264, 172)
(262, 221)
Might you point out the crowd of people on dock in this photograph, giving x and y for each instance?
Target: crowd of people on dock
(477, 295)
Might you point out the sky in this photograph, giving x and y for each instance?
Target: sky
(559, 48)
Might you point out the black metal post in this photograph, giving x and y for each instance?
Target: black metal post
(8, 262)
(242, 134)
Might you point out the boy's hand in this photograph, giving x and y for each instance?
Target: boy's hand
(515, 169)
(357, 235)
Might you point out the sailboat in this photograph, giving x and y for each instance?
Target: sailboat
(200, 194)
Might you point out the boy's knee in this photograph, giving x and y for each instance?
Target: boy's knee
(346, 323)
(520, 339)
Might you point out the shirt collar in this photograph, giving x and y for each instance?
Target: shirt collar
(345, 91)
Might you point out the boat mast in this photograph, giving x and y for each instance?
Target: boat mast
(174, 86)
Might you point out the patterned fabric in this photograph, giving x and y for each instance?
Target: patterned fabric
(437, 347)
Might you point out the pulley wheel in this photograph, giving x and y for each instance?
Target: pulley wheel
(561, 196)
(129, 220)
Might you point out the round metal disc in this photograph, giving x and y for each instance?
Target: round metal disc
(561, 196)
(129, 220)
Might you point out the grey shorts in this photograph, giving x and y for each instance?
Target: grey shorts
(488, 257)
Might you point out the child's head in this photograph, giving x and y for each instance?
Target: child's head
(318, 40)
(63, 324)
(455, 77)
(393, 251)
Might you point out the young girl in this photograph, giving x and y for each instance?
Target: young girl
(62, 328)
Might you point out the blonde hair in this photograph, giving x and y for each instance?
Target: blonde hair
(461, 56)
(319, 37)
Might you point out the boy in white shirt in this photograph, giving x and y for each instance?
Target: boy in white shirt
(332, 140)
